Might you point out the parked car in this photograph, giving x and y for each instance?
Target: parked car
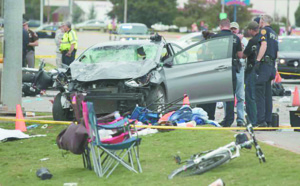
(117, 76)
(91, 25)
(132, 31)
(34, 23)
(46, 31)
(161, 27)
(189, 39)
(289, 57)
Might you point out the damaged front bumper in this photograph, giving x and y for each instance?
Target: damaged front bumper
(114, 96)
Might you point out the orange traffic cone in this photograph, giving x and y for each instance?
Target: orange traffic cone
(20, 125)
(296, 101)
(186, 100)
(278, 77)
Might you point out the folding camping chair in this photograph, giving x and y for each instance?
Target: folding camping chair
(106, 157)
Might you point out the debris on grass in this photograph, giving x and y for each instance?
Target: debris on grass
(44, 159)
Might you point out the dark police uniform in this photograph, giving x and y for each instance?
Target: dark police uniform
(265, 74)
(250, 79)
(25, 44)
(237, 47)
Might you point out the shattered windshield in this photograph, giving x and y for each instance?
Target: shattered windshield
(289, 44)
(119, 53)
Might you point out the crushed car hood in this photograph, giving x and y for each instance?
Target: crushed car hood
(110, 70)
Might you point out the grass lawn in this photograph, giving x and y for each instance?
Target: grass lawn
(20, 159)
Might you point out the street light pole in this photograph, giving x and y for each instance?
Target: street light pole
(125, 11)
(71, 11)
(287, 16)
(223, 5)
(41, 12)
(275, 7)
(11, 94)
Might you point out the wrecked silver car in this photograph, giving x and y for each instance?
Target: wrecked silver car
(119, 75)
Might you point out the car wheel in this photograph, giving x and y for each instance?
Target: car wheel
(156, 99)
(58, 112)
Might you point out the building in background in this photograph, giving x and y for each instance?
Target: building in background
(83, 9)
(102, 8)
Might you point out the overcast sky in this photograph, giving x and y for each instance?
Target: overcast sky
(268, 6)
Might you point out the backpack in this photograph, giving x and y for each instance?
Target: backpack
(74, 138)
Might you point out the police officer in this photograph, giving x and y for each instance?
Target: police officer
(33, 42)
(250, 53)
(110, 29)
(236, 55)
(68, 45)
(267, 54)
(58, 37)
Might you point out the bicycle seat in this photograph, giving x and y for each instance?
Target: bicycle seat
(242, 138)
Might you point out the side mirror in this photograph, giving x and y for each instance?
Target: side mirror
(168, 62)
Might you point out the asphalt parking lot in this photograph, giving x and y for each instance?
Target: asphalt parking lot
(284, 139)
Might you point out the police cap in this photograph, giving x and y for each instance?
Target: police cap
(253, 25)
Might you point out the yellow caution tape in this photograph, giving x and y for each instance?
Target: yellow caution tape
(46, 31)
(152, 127)
(45, 56)
(38, 121)
(211, 128)
(286, 73)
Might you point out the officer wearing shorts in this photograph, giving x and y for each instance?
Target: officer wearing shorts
(265, 70)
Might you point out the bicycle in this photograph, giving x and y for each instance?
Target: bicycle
(207, 160)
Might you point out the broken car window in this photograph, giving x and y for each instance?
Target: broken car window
(123, 53)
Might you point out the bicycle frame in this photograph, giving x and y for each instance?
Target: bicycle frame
(231, 147)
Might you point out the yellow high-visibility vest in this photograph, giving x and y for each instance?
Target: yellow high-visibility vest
(67, 40)
(109, 26)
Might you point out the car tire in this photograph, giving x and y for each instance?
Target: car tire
(153, 102)
(58, 112)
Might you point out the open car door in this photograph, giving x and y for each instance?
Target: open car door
(203, 71)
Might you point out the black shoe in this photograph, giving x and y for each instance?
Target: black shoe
(263, 124)
(224, 124)
(240, 124)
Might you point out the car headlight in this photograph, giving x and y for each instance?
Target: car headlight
(282, 61)
(139, 82)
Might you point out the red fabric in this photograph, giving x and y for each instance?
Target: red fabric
(166, 116)
(115, 140)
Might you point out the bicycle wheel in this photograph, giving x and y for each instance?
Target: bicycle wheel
(211, 162)
(205, 165)
(184, 170)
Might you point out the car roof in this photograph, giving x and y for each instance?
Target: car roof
(289, 37)
(134, 24)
